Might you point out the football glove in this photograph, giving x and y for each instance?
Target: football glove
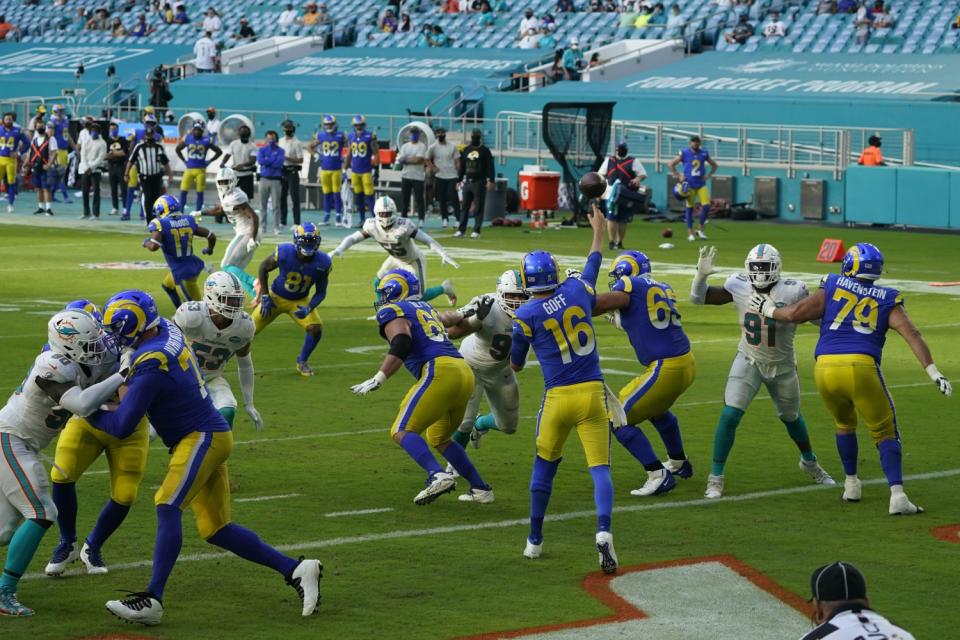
(207, 251)
(705, 262)
(254, 417)
(943, 385)
(367, 386)
(613, 317)
(302, 312)
(266, 305)
(126, 361)
(336, 253)
(484, 305)
(446, 259)
(762, 305)
(573, 273)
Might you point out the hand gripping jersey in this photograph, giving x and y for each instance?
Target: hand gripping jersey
(361, 151)
(651, 321)
(489, 347)
(295, 277)
(694, 163)
(856, 316)
(211, 345)
(429, 338)
(241, 219)
(177, 244)
(763, 340)
(196, 151)
(560, 330)
(397, 240)
(331, 146)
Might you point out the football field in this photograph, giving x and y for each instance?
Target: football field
(325, 480)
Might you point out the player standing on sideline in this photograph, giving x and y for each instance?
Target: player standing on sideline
(332, 142)
(486, 348)
(363, 157)
(694, 158)
(59, 384)
(173, 233)
(396, 235)
(77, 447)
(165, 384)
(217, 329)
(302, 266)
(13, 142)
(434, 406)
(61, 124)
(646, 310)
(765, 356)
(556, 322)
(856, 313)
(197, 143)
(246, 226)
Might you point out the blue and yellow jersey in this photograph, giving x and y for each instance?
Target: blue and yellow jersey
(428, 336)
(166, 385)
(296, 277)
(176, 242)
(561, 332)
(60, 125)
(361, 151)
(196, 150)
(12, 141)
(652, 321)
(331, 144)
(694, 163)
(856, 316)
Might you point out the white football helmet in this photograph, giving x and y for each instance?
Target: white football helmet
(763, 265)
(223, 294)
(226, 181)
(510, 293)
(78, 336)
(385, 209)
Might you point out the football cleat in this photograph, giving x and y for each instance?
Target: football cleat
(439, 484)
(142, 608)
(64, 554)
(483, 496)
(714, 487)
(691, 238)
(475, 235)
(900, 505)
(680, 468)
(851, 489)
(701, 235)
(458, 234)
(450, 292)
(658, 482)
(608, 557)
(532, 551)
(452, 471)
(10, 606)
(90, 556)
(305, 579)
(815, 471)
(304, 369)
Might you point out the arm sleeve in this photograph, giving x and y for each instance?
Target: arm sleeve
(698, 290)
(421, 236)
(350, 240)
(83, 402)
(140, 394)
(245, 374)
(591, 270)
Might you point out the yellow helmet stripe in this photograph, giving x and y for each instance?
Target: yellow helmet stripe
(125, 305)
(394, 277)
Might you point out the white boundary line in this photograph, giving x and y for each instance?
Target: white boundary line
(505, 524)
(265, 498)
(359, 512)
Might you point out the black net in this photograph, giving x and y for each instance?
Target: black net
(578, 136)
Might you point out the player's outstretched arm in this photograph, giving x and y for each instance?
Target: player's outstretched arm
(901, 323)
(610, 301)
(349, 241)
(810, 308)
(467, 319)
(245, 375)
(700, 292)
(144, 387)
(424, 238)
(81, 402)
(397, 333)
(211, 237)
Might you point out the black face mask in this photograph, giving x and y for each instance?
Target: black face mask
(475, 141)
(442, 137)
(244, 138)
(621, 152)
(288, 132)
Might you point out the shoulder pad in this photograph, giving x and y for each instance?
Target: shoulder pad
(369, 225)
(234, 198)
(247, 326)
(190, 315)
(55, 367)
(389, 312)
(523, 327)
(824, 280)
(150, 359)
(624, 284)
(155, 225)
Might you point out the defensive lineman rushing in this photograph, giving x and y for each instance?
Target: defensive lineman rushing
(61, 382)
(765, 356)
(246, 226)
(397, 235)
(217, 329)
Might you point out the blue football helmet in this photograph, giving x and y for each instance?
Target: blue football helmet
(863, 260)
(329, 122)
(681, 190)
(630, 263)
(166, 205)
(359, 123)
(149, 119)
(397, 285)
(306, 238)
(539, 272)
(128, 314)
(85, 305)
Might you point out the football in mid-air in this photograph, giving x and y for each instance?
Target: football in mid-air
(667, 233)
(592, 185)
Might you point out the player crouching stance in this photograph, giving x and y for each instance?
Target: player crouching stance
(856, 313)
(235, 205)
(435, 405)
(60, 383)
(165, 383)
(646, 310)
(217, 329)
(765, 356)
(556, 322)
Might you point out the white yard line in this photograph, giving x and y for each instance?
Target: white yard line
(266, 498)
(358, 512)
(518, 522)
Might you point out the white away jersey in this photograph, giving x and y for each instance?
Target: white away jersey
(490, 346)
(397, 240)
(30, 413)
(765, 341)
(858, 624)
(212, 346)
(241, 220)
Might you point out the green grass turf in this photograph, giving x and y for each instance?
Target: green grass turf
(472, 581)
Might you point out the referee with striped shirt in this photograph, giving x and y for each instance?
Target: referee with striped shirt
(152, 165)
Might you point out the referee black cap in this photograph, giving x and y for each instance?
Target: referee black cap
(836, 582)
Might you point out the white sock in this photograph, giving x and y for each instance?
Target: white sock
(896, 490)
(46, 206)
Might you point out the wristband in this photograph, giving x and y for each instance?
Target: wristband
(380, 377)
(933, 372)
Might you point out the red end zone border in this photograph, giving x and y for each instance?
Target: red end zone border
(598, 585)
(947, 533)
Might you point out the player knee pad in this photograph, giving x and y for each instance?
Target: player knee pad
(508, 427)
(228, 413)
(125, 488)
